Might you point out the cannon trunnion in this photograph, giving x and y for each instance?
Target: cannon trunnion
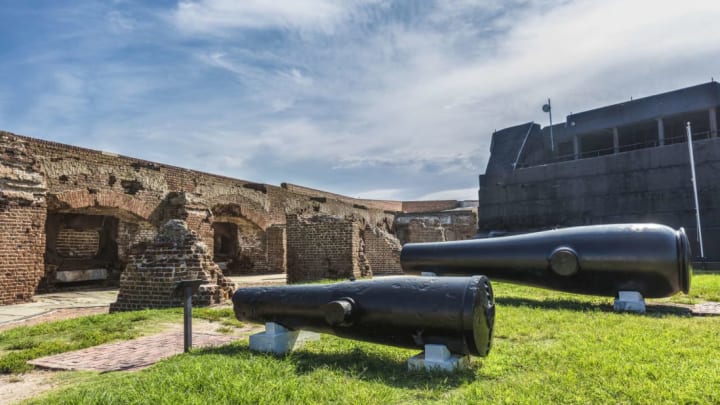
(411, 312)
(598, 260)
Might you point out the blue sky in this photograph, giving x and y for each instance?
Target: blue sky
(372, 99)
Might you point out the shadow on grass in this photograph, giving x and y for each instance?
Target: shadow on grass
(653, 309)
(361, 364)
(558, 304)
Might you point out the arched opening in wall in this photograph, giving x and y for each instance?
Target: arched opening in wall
(88, 247)
(225, 243)
(239, 246)
(242, 247)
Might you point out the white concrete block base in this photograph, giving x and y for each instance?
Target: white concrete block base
(438, 357)
(629, 301)
(279, 340)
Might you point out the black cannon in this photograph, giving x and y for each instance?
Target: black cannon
(598, 260)
(457, 312)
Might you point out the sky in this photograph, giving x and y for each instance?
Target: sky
(371, 99)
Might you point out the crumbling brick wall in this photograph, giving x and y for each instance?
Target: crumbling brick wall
(41, 179)
(276, 247)
(22, 244)
(321, 247)
(328, 247)
(133, 234)
(382, 250)
(22, 222)
(428, 206)
(436, 226)
(176, 254)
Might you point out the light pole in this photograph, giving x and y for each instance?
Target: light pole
(548, 109)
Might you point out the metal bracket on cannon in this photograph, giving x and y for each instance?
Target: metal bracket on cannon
(438, 357)
(280, 340)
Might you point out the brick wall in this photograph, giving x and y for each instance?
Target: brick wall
(252, 257)
(382, 251)
(78, 242)
(40, 178)
(175, 254)
(321, 247)
(436, 227)
(428, 206)
(22, 245)
(384, 205)
(22, 222)
(131, 234)
(276, 246)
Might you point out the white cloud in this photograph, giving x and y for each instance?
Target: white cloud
(425, 93)
(392, 194)
(354, 88)
(457, 194)
(119, 22)
(218, 15)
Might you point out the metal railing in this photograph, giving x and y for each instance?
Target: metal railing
(680, 138)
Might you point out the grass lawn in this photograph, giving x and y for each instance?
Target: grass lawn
(21, 344)
(549, 348)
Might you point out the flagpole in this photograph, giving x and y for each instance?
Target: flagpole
(695, 192)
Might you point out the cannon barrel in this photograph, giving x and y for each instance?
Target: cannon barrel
(457, 312)
(597, 260)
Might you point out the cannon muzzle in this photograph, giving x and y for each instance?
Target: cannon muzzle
(598, 260)
(457, 312)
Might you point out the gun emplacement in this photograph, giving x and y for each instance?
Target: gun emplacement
(651, 259)
(457, 312)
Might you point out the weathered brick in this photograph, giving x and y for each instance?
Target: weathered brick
(43, 181)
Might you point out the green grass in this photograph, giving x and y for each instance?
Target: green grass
(703, 287)
(21, 344)
(549, 347)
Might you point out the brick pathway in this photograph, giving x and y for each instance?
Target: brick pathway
(709, 308)
(706, 309)
(131, 354)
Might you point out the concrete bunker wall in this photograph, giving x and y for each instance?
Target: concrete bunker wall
(645, 185)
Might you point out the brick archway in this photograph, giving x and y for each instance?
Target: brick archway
(89, 236)
(245, 240)
(239, 206)
(76, 199)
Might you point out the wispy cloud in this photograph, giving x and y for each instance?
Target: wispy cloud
(455, 194)
(215, 16)
(360, 97)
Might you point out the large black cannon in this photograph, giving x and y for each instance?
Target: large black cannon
(598, 260)
(457, 312)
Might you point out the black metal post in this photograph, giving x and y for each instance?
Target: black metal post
(190, 287)
(188, 318)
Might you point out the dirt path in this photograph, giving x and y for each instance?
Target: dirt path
(15, 388)
(55, 315)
